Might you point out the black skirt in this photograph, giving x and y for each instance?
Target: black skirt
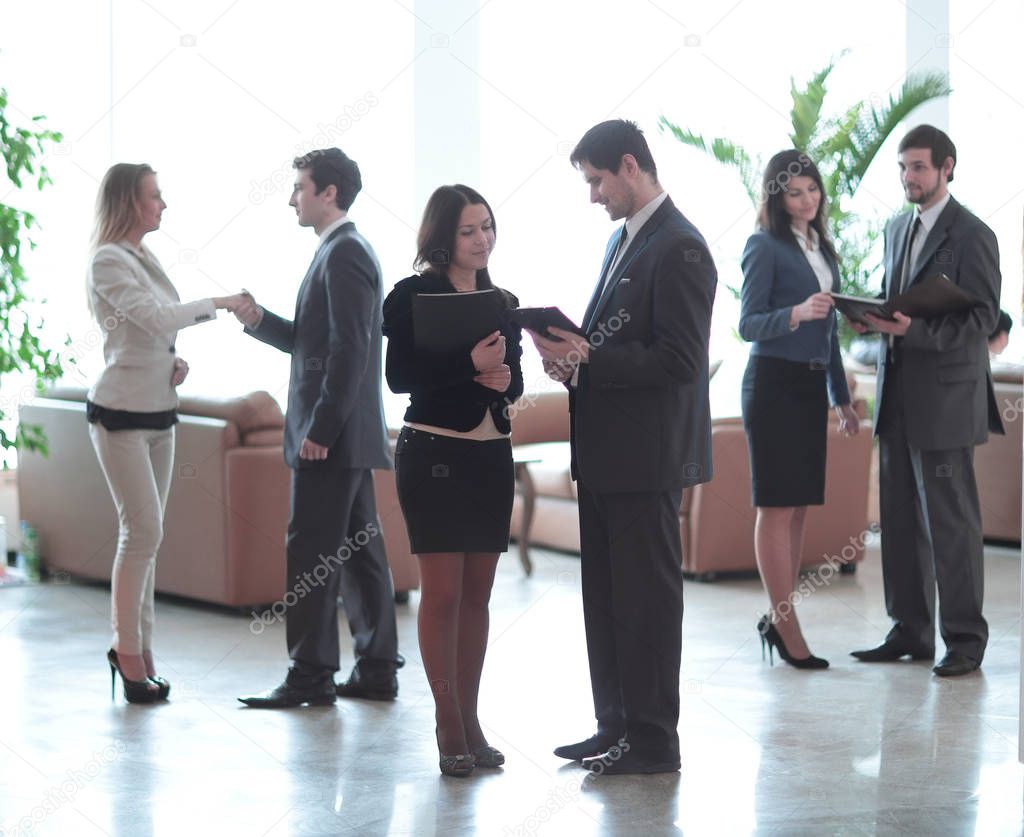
(456, 494)
(785, 414)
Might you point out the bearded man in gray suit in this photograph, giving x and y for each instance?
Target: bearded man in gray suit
(334, 436)
(935, 403)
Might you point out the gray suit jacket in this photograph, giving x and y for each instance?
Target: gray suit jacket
(334, 395)
(641, 419)
(948, 400)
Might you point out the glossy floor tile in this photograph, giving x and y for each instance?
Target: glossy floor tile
(855, 750)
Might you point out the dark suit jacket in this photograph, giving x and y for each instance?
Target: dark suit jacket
(777, 276)
(948, 400)
(640, 413)
(334, 395)
(441, 387)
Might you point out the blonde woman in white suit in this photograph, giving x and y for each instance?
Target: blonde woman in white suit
(132, 406)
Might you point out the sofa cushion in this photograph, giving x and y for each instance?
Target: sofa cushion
(269, 437)
(255, 411)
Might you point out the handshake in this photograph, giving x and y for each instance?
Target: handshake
(243, 306)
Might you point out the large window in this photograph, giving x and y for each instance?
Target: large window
(220, 97)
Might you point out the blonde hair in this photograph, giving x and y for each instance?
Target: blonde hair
(117, 204)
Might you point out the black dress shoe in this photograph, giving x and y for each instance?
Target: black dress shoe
(286, 695)
(619, 762)
(955, 664)
(593, 746)
(377, 688)
(892, 650)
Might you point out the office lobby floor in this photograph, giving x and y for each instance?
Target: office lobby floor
(855, 750)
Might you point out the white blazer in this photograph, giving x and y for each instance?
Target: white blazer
(139, 315)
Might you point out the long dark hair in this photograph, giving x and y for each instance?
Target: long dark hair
(772, 215)
(435, 241)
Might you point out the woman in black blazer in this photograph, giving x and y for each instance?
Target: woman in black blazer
(794, 372)
(454, 465)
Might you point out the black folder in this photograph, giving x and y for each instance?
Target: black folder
(455, 322)
(934, 297)
(541, 319)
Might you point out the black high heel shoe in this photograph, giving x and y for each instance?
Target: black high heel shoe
(162, 685)
(135, 691)
(770, 637)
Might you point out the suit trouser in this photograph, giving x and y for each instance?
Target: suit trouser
(931, 534)
(631, 564)
(335, 545)
(137, 465)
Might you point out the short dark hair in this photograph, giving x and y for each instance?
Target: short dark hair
(332, 167)
(604, 145)
(772, 215)
(435, 241)
(936, 141)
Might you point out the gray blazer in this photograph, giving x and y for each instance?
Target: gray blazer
(777, 276)
(948, 401)
(334, 395)
(640, 415)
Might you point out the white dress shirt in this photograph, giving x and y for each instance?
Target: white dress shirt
(816, 259)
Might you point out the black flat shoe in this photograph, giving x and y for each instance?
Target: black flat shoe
(488, 756)
(617, 762)
(358, 686)
(892, 650)
(955, 664)
(135, 691)
(460, 765)
(593, 746)
(770, 637)
(287, 696)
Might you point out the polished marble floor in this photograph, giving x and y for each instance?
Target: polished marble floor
(857, 749)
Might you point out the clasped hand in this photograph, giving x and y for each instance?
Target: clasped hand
(243, 306)
(562, 353)
(488, 358)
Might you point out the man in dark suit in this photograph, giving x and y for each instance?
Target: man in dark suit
(334, 435)
(641, 433)
(935, 403)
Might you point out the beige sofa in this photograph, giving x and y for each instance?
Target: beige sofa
(997, 463)
(716, 520)
(226, 514)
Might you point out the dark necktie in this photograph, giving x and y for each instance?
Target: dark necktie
(905, 273)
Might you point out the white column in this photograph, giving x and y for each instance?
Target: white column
(447, 95)
(928, 44)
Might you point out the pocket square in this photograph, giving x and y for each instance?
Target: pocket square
(624, 280)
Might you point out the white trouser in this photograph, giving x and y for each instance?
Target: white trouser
(137, 465)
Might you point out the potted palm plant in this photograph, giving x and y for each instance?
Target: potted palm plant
(843, 147)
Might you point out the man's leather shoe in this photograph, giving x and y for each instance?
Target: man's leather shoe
(892, 650)
(593, 746)
(359, 686)
(286, 695)
(619, 762)
(955, 664)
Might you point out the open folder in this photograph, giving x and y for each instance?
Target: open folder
(455, 322)
(934, 297)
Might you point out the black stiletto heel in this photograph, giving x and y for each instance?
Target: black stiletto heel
(135, 691)
(771, 638)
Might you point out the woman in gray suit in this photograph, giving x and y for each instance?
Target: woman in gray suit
(795, 371)
(132, 405)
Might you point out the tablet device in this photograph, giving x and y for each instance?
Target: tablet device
(541, 319)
